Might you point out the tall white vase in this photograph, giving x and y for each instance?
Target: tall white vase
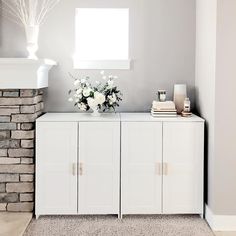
(32, 33)
(180, 93)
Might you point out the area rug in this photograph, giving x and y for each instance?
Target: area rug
(111, 226)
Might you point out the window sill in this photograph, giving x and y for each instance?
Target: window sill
(102, 64)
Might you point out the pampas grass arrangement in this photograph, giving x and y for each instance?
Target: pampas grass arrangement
(30, 14)
(27, 12)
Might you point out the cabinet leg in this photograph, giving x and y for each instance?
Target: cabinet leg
(120, 216)
(37, 217)
(202, 216)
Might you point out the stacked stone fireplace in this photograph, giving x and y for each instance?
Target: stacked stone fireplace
(18, 111)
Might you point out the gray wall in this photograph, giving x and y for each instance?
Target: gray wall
(225, 126)
(205, 81)
(216, 86)
(162, 46)
(206, 18)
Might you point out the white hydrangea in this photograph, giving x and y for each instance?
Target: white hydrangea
(92, 102)
(79, 91)
(99, 98)
(87, 92)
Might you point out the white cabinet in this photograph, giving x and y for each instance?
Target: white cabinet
(99, 171)
(56, 154)
(141, 167)
(162, 165)
(183, 167)
(78, 164)
(119, 163)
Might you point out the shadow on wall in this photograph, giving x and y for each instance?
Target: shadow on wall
(191, 94)
(197, 111)
(206, 163)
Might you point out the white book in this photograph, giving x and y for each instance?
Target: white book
(170, 105)
(164, 112)
(165, 115)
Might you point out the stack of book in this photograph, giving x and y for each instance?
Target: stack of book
(163, 109)
(186, 114)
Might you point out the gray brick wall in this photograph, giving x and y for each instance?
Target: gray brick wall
(18, 112)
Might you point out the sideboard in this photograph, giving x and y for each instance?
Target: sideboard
(121, 164)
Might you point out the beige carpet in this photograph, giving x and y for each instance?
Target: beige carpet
(111, 226)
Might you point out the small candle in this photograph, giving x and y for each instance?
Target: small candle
(162, 95)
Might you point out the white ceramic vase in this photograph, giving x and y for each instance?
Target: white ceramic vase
(32, 33)
(95, 112)
(180, 93)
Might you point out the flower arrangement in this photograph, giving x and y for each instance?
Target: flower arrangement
(101, 96)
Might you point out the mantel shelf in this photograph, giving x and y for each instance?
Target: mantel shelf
(23, 73)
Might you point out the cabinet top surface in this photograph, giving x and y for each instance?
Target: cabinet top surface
(129, 117)
(112, 117)
(79, 117)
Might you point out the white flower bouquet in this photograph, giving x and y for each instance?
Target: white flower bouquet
(103, 96)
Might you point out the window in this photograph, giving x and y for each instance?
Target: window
(102, 38)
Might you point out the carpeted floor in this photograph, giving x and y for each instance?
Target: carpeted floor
(111, 226)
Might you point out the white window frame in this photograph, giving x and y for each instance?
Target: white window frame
(100, 64)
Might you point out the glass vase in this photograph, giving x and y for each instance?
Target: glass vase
(95, 112)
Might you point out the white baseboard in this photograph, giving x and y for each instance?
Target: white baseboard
(220, 222)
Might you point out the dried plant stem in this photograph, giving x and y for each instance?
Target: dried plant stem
(28, 12)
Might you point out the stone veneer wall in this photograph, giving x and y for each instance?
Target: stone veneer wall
(18, 112)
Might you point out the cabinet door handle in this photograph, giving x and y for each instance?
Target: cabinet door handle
(80, 168)
(158, 168)
(165, 168)
(74, 169)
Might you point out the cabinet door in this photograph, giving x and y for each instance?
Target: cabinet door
(183, 167)
(56, 181)
(141, 167)
(99, 171)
